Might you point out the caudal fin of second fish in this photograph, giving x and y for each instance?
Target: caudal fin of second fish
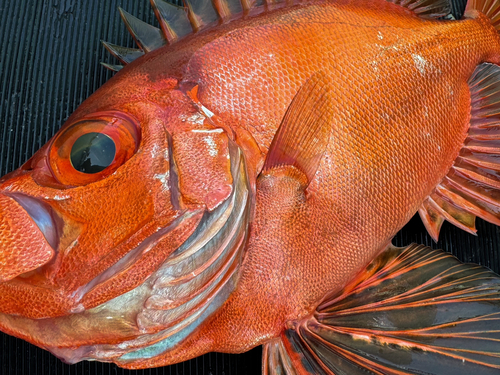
(413, 310)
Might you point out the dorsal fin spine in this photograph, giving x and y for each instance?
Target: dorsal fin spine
(176, 22)
(147, 37)
(222, 8)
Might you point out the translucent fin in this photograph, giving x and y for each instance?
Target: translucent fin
(413, 310)
(490, 8)
(124, 54)
(430, 8)
(173, 20)
(472, 186)
(305, 129)
(112, 67)
(147, 37)
(200, 13)
(275, 359)
(175, 23)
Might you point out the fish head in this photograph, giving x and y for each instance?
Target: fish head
(98, 208)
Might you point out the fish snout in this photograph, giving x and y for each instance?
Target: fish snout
(28, 234)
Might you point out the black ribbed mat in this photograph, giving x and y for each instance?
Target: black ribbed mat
(49, 63)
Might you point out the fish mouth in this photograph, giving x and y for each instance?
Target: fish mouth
(43, 215)
(29, 234)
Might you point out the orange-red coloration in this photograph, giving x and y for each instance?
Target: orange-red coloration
(393, 78)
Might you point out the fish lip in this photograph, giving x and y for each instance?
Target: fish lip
(42, 214)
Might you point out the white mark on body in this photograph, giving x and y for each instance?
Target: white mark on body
(218, 130)
(420, 63)
(212, 147)
(59, 197)
(155, 151)
(163, 178)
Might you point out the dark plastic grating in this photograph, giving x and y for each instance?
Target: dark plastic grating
(49, 63)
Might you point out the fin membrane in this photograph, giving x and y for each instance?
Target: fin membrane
(305, 129)
(435, 9)
(175, 23)
(413, 310)
(491, 8)
(472, 186)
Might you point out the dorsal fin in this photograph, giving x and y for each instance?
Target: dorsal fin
(200, 13)
(124, 54)
(472, 186)
(173, 20)
(435, 9)
(177, 22)
(146, 36)
(114, 68)
(491, 8)
(226, 8)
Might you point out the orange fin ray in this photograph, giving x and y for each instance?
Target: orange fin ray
(491, 8)
(413, 310)
(434, 9)
(124, 54)
(472, 186)
(177, 22)
(147, 37)
(305, 129)
(173, 20)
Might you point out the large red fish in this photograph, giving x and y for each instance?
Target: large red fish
(238, 183)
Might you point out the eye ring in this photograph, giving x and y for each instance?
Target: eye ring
(68, 161)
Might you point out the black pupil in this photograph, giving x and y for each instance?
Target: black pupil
(92, 153)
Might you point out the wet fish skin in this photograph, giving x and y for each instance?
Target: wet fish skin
(301, 228)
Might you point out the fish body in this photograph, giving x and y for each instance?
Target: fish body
(205, 233)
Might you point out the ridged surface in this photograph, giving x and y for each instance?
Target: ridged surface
(50, 64)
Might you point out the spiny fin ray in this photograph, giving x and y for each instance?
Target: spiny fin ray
(173, 20)
(114, 68)
(472, 186)
(433, 9)
(147, 37)
(200, 13)
(491, 8)
(124, 54)
(177, 22)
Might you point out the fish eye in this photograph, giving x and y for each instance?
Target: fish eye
(92, 153)
(93, 148)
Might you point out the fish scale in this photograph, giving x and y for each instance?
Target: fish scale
(379, 135)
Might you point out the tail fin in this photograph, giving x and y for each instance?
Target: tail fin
(491, 8)
(413, 310)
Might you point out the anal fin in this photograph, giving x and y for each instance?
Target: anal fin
(413, 310)
(472, 186)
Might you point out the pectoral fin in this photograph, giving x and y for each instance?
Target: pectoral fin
(304, 133)
(413, 310)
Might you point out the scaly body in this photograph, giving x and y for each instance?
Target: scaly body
(393, 78)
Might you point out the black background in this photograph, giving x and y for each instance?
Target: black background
(49, 63)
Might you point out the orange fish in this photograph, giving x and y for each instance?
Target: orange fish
(239, 181)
